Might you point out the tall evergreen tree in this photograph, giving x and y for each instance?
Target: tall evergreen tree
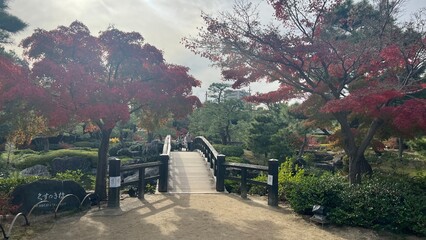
(9, 24)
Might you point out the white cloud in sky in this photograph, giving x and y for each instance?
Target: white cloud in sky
(162, 23)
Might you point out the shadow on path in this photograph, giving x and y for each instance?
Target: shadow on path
(194, 216)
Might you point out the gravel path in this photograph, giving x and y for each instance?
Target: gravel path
(191, 216)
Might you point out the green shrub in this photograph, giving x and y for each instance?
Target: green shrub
(287, 178)
(85, 180)
(235, 159)
(8, 184)
(44, 158)
(418, 144)
(232, 186)
(258, 189)
(124, 152)
(230, 150)
(113, 150)
(137, 147)
(24, 151)
(149, 188)
(70, 175)
(86, 144)
(390, 202)
(303, 191)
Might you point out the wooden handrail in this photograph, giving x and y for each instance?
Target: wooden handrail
(162, 177)
(246, 166)
(219, 167)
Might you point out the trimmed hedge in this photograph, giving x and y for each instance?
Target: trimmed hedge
(383, 201)
(44, 158)
(229, 150)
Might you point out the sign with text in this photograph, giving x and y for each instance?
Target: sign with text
(270, 179)
(52, 191)
(115, 182)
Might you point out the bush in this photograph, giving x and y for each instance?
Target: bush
(230, 150)
(69, 175)
(124, 152)
(235, 159)
(390, 202)
(45, 158)
(387, 202)
(8, 184)
(113, 150)
(137, 147)
(311, 190)
(85, 180)
(418, 144)
(232, 186)
(258, 189)
(86, 144)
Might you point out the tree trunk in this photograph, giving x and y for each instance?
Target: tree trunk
(150, 136)
(358, 165)
(101, 173)
(223, 137)
(228, 135)
(400, 147)
(302, 148)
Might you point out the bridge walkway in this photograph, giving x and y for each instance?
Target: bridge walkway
(189, 173)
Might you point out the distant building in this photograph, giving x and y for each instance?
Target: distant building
(235, 94)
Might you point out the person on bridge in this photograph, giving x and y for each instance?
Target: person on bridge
(180, 142)
(188, 142)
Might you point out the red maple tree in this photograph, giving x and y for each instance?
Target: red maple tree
(352, 58)
(103, 79)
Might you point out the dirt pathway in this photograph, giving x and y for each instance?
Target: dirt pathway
(191, 216)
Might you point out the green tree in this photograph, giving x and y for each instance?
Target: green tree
(276, 132)
(217, 121)
(9, 24)
(217, 91)
(260, 133)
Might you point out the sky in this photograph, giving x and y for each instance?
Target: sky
(163, 23)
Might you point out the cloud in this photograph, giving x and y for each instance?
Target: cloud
(163, 23)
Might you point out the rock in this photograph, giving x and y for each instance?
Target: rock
(36, 170)
(70, 163)
(322, 156)
(27, 195)
(153, 148)
(324, 166)
(135, 153)
(338, 161)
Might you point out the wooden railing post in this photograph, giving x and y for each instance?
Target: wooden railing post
(244, 183)
(273, 182)
(114, 183)
(141, 183)
(164, 173)
(220, 174)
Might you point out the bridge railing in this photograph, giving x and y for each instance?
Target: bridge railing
(211, 155)
(220, 167)
(115, 170)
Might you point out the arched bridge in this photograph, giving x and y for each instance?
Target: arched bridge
(202, 170)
